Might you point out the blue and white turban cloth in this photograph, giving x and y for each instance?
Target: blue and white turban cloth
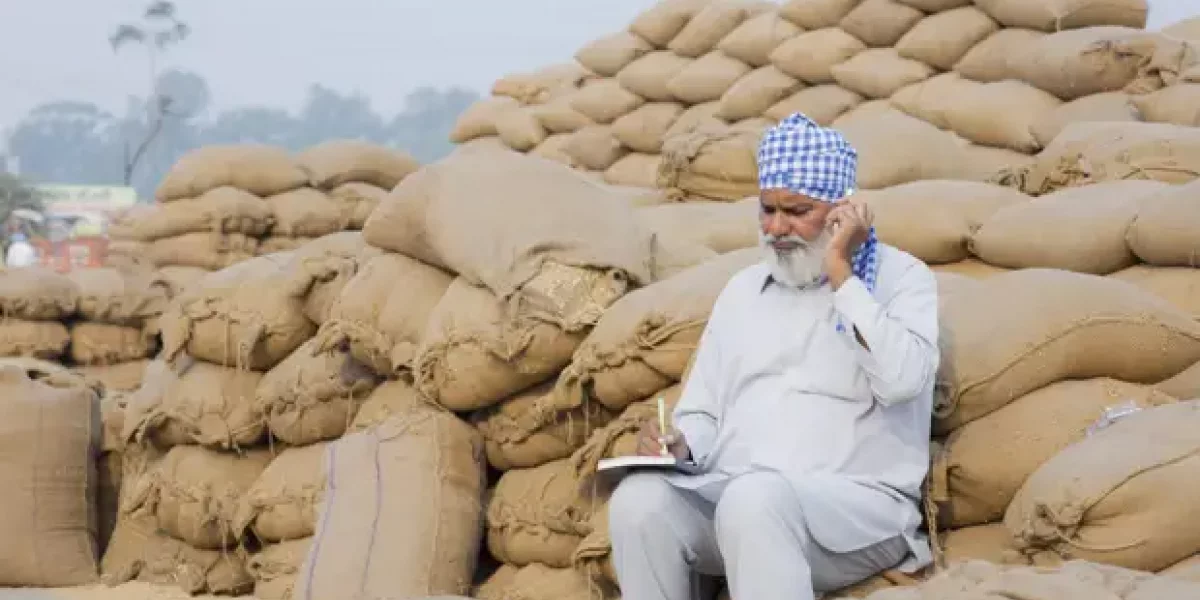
(802, 157)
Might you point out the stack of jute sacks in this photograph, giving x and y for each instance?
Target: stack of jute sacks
(679, 99)
(223, 204)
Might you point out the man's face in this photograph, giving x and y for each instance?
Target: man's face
(793, 235)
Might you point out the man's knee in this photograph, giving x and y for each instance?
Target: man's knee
(755, 501)
(641, 501)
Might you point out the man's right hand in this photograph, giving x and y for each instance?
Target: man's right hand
(650, 441)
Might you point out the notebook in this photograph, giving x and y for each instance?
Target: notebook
(621, 465)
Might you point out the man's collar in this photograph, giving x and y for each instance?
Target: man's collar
(769, 279)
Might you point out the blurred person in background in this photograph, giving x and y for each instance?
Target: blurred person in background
(20, 252)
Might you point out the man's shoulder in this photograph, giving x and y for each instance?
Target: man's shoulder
(899, 269)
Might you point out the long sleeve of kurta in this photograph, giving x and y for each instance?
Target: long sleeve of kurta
(901, 333)
(696, 414)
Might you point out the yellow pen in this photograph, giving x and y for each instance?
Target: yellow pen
(662, 426)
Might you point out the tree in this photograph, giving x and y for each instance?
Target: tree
(159, 30)
(15, 194)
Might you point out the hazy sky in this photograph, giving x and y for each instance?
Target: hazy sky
(269, 51)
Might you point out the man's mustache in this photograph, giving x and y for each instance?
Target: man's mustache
(794, 242)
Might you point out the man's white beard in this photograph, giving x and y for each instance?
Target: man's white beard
(800, 266)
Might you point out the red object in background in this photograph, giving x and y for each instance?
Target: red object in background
(75, 253)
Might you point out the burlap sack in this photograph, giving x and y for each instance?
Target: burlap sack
(674, 255)
(721, 226)
(710, 25)
(694, 117)
(816, 14)
(758, 91)
(714, 161)
(932, 99)
(221, 210)
(479, 119)
(471, 356)
(557, 116)
(36, 339)
(972, 268)
(575, 252)
(593, 555)
(635, 170)
(1077, 229)
(196, 403)
(643, 130)
(424, 540)
(992, 543)
(1166, 230)
(595, 148)
(539, 85)
(928, 152)
(609, 54)
(1076, 63)
(207, 251)
(313, 395)
(336, 162)
(984, 163)
(870, 108)
(1000, 114)
(1107, 106)
(1176, 104)
(754, 40)
(539, 515)
(530, 428)
(1061, 15)
(555, 148)
(879, 72)
(880, 23)
(1187, 569)
(540, 582)
(648, 76)
(988, 60)
(934, 219)
(1085, 153)
(520, 129)
(1180, 286)
(278, 244)
(123, 377)
(983, 464)
(812, 55)
(50, 437)
(392, 398)
(660, 23)
(707, 78)
(276, 567)
(331, 261)
(1185, 385)
(108, 295)
(821, 103)
(942, 39)
(619, 437)
(603, 100)
(495, 584)
(643, 343)
(259, 169)
(305, 212)
(1053, 325)
(174, 279)
(1187, 29)
(1114, 498)
(282, 503)
(101, 344)
(139, 551)
(36, 294)
(382, 312)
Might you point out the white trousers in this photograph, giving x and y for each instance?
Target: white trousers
(668, 541)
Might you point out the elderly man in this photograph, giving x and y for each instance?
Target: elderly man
(808, 407)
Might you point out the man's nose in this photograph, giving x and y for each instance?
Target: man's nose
(775, 225)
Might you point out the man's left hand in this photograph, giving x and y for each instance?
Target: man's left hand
(850, 221)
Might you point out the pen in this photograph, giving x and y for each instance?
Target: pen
(662, 426)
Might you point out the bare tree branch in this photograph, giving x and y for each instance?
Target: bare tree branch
(126, 34)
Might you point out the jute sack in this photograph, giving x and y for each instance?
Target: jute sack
(714, 161)
(636, 169)
(382, 312)
(604, 100)
(992, 543)
(929, 152)
(282, 503)
(1176, 104)
(1105, 106)
(934, 219)
(984, 163)
(1061, 15)
(259, 169)
(972, 268)
(1077, 229)
(1187, 569)
(312, 396)
(305, 212)
(195, 403)
(607, 55)
(573, 252)
(660, 23)
(941, 40)
(1053, 325)
(555, 148)
(496, 583)
(1166, 230)
(674, 254)
(754, 40)
(220, 210)
(104, 344)
(821, 103)
(280, 244)
(36, 339)
(336, 162)
(331, 261)
(1187, 29)
(1076, 63)
(479, 119)
(1116, 499)
(539, 515)
(209, 251)
(174, 279)
(870, 108)
(812, 55)
(694, 117)
(50, 438)
(108, 295)
(194, 492)
(1185, 386)
(648, 75)
(721, 226)
(756, 92)
(276, 567)
(540, 582)
(392, 398)
(1086, 153)
(618, 437)
(594, 148)
(880, 23)
(931, 100)
(36, 294)
(707, 78)
(643, 343)
(593, 555)
(984, 463)
(1000, 114)
(122, 377)
(879, 72)
(139, 551)
(557, 116)
(471, 355)
(988, 61)
(816, 14)
(710, 25)
(425, 539)
(643, 130)
(520, 128)
(530, 428)
(1179, 286)
(539, 85)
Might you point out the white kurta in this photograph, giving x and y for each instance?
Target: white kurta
(776, 387)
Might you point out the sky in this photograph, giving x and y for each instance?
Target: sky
(270, 51)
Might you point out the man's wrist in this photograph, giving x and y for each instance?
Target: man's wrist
(840, 270)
